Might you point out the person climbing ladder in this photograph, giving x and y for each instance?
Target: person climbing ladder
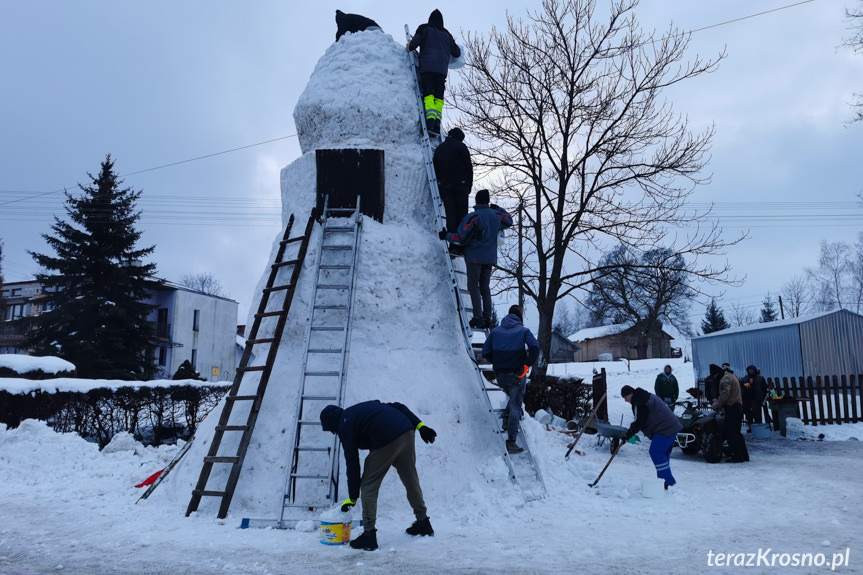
(436, 45)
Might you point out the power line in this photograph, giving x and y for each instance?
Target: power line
(39, 195)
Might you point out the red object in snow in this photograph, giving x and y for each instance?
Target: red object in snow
(151, 479)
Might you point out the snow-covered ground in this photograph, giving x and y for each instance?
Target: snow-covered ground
(69, 508)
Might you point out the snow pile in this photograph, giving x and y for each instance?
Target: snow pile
(28, 363)
(406, 344)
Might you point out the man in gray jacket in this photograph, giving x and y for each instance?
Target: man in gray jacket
(658, 422)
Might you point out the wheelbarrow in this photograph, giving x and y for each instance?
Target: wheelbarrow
(614, 433)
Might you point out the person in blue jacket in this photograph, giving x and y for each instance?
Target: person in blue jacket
(658, 422)
(387, 431)
(512, 351)
(477, 234)
(436, 45)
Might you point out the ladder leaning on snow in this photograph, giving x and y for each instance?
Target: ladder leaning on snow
(312, 481)
(523, 469)
(246, 373)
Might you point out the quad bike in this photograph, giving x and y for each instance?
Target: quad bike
(701, 432)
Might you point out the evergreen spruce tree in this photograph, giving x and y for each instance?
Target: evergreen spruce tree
(768, 310)
(97, 284)
(714, 319)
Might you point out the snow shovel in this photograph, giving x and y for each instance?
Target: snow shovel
(606, 465)
(590, 418)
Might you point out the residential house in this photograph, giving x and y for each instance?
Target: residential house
(620, 341)
(188, 324)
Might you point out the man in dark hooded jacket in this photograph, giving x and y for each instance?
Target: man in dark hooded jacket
(658, 422)
(454, 172)
(436, 45)
(512, 351)
(387, 430)
(753, 388)
(353, 23)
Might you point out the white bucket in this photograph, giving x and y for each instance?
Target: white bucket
(543, 416)
(652, 487)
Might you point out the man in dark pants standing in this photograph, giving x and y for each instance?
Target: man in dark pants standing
(731, 401)
(387, 430)
(512, 350)
(454, 172)
(477, 233)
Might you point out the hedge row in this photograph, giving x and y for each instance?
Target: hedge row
(154, 415)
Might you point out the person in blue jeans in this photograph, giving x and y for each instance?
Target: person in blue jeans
(477, 234)
(658, 422)
(512, 350)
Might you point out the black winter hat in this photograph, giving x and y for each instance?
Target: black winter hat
(516, 310)
(330, 416)
(436, 19)
(482, 198)
(457, 134)
(626, 390)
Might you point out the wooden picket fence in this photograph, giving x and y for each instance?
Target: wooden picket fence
(823, 400)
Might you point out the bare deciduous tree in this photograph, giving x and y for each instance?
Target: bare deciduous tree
(829, 278)
(855, 42)
(797, 296)
(569, 118)
(740, 315)
(855, 273)
(203, 282)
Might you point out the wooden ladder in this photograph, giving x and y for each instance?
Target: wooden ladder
(235, 460)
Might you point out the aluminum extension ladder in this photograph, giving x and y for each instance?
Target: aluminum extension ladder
(523, 470)
(312, 480)
(271, 340)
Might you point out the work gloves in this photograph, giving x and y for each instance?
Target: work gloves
(442, 234)
(524, 373)
(633, 440)
(346, 506)
(426, 433)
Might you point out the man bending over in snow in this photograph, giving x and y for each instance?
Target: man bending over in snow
(387, 431)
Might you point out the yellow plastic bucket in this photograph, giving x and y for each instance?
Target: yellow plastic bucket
(335, 533)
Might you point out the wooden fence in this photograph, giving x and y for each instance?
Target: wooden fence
(823, 400)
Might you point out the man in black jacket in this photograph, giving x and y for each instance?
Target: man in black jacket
(454, 172)
(436, 45)
(658, 422)
(753, 387)
(387, 430)
(353, 23)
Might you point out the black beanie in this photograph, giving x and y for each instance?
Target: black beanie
(626, 390)
(516, 310)
(457, 134)
(482, 198)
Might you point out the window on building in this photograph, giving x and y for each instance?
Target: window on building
(196, 325)
(16, 291)
(194, 359)
(163, 356)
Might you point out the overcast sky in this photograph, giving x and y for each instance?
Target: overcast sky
(160, 82)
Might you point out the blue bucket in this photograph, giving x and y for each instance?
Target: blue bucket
(760, 431)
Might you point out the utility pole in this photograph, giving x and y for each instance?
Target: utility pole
(519, 268)
(781, 308)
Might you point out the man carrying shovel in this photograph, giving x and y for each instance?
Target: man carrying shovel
(658, 422)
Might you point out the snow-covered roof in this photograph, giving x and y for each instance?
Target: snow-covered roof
(601, 331)
(772, 324)
(27, 363)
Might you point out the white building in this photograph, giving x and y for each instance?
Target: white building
(188, 324)
(195, 326)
